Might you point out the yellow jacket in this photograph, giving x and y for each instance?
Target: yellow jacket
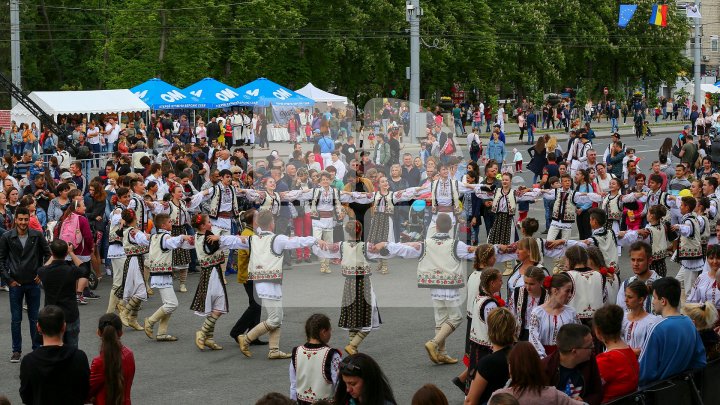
(243, 258)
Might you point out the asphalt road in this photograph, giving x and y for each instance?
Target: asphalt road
(179, 373)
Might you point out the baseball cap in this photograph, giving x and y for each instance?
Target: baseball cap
(66, 176)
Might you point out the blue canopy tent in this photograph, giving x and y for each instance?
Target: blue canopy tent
(160, 95)
(213, 94)
(264, 93)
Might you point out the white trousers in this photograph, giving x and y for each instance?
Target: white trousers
(447, 312)
(274, 312)
(169, 300)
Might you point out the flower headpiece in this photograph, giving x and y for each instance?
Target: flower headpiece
(605, 271)
(198, 219)
(547, 282)
(500, 301)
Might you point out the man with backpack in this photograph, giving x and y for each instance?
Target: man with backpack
(473, 141)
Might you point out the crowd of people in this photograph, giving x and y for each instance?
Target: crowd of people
(582, 331)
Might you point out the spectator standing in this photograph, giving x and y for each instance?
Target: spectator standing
(113, 371)
(496, 149)
(54, 373)
(22, 252)
(59, 278)
(213, 129)
(675, 335)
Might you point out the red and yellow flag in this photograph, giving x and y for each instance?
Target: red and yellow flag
(659, 15)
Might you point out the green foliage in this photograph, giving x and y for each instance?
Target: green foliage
(359, 48)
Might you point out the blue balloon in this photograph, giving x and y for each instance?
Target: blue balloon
(419, 205)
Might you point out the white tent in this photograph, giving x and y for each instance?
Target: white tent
(320, 96)
(56, 103)
(709, 88)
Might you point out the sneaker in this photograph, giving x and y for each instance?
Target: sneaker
(81, 300)
(89, 295)
(15, 358)
(108, 271)
(5, 288)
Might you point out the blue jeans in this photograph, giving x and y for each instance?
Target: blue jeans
(477, 125)
(548, 211)
(531, 135)
(95, 149)
(613, 125)
(72, 333)
(459, 128)
(31, 294)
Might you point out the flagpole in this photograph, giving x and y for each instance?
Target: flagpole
(698, 92)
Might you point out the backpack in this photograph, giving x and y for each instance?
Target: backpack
(69, 230)
(83, 152)
(474, 146)
(449, 147)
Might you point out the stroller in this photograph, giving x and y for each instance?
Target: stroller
(415, 224)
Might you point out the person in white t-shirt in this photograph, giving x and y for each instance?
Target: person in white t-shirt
(112, 132)
(93, 140)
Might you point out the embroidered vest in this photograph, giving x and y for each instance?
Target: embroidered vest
(509, 199)
(521, 308)
(160, 257)
(704, 229)
(713, 219)
(353, 259)
(313, 379)
(131, 248)
(385, 201)
(335, 201)
(139, 212)
(113, 237)
(657, 198)
(564, 206)
(658, 241)
(478, 325)
(473, 289)
(588, 292)
(178, 214)
(439, 266)
(690, 246)
(204, 258)
(216, 200)
(264, 264)
(606, 241)
(454, 195)
(612, 207)
(271, 203)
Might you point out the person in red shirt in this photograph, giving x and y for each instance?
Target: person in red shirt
(112, 372)
(618, 365)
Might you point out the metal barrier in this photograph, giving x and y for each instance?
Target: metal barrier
(692, 388)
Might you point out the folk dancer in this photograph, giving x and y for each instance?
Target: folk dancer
(132, 290)
(116, 252)
(162, 245)
(179, 219)
(265, 269)
(210, 300)
(689, 251)
(440, 269)
(655, 234)
(142, 209)
(546, 320)
(637, 322)
(524, 299)
(705, 288)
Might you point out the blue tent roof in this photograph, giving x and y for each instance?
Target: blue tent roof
(160, 95)
(263, 92)
(213, 94)
(718, 83)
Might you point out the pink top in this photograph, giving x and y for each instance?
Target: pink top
(549, 396)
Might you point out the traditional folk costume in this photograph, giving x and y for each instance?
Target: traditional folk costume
(441, 269)
(325, 210)
(712, 216)
(358, 311)
(162, 246)
(521, 303)
(620, 301)
(314, 372)
(222, 207)
(265, 269)
(544, 328)
(116, 254)
(142, 212)
(211, 297)
(613, 207)
(589, 292)
(705, 289)
(578, 155)
(251, 317)
(504, 206)
(564, 214)
(689, 251)
(634, 333)
(133, 290)
(179, 219)
(479, 345)
(445, 197)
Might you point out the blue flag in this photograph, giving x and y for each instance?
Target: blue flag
(626, 14)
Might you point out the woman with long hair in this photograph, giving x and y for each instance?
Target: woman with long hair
(582, 185)
(546, 320)
(523, 299)
(429, 394)
(362, 382)
(528, 255)
(528, 383)
(96, 203)
(59, 204)
(666, 149)
(538, 158)
(113, 371)
(492, 373)
(83, 244)
(6, 216)
(13, 199)
(637, 322)
(179, 220)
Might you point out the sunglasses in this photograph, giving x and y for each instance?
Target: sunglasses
(348, 367)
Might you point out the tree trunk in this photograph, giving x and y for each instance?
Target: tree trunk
(163, 36)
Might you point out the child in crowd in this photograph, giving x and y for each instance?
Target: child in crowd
(518, 159)
(314, 367)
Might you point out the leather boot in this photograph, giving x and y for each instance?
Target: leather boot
(162, 335)
(244, 340)
(325, 266)
(352, 347)
(274, 346)
(133, 308)
(152, 320)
